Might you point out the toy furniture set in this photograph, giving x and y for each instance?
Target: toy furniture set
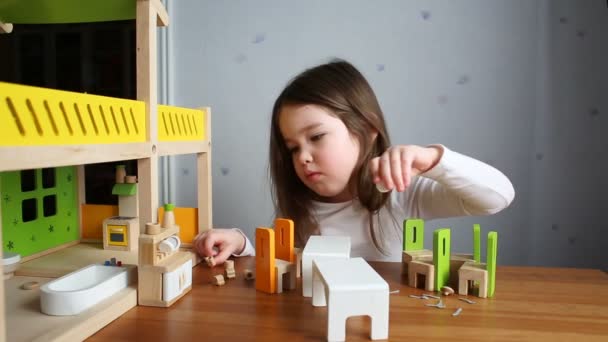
(50, 235)
(439, 268)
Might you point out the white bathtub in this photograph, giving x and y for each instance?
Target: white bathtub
(81, 289)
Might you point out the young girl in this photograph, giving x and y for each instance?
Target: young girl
(334, 171)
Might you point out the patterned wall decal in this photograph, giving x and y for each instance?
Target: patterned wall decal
(380, 67)
(185, 171)
(594, 112)
(225, 171)
(555, 227)
(563, 20)
(241, 58)
(572, 240)
(539, 156)
(464, 79)
(442, 99)
(259, 38)
(581, 34)
(426, 15)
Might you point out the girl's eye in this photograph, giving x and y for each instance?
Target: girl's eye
(293, 150)
(317, 137)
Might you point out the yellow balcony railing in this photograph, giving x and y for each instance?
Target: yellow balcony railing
(32, 116)
(181, 124)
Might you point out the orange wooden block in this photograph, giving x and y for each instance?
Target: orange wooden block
(265, 271)
(92, 219)
(186, 219)
(284, 235)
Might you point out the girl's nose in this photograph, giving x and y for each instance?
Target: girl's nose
(305, 157)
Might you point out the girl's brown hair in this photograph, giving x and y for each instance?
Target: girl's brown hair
(341, 88)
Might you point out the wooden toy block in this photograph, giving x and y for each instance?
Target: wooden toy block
(284, 239)
(476, 243)
(353, 288)
(120, 233)
(469, 272)
(321, 247)
(408, 256)
(6, 28)
(218, 280)
(265, 271)
(413, 235)
(298, 257)
(210, 261)
(149, 253)
(285, 275)
(491, 262)
(229, 267)
(152, 228)
(166, 282)
(248, 274)
(441, 256)
(424, 268)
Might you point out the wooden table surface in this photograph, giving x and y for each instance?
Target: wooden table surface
(531, 304)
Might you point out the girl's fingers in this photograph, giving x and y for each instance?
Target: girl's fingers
(396, 169)
(223, 255)
(407, 161)
(385, 171)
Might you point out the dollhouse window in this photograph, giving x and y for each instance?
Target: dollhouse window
(48, 178)
(29, 210)
(49, 205)
(28, 180)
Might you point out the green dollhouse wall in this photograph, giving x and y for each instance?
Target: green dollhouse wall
(39, 209)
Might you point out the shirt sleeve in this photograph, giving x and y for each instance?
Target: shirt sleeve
(458, 186)
(249, 250)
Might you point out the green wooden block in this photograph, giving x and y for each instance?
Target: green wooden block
(413, 235)
(491, 262)
(477, 243)
(441, 257)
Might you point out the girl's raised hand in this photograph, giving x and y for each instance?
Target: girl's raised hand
(395, 168)
(219, 243)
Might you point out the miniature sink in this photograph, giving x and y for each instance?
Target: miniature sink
(81, 289)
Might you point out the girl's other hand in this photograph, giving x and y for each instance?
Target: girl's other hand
(398, 164)
(219, 243)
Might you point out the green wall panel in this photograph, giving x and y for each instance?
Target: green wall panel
(50, 217)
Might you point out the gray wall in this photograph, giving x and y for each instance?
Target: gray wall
(515, 83)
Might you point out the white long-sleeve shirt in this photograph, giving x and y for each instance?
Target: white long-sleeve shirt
(457, 186)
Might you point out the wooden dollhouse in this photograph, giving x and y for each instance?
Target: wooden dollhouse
(46, 138)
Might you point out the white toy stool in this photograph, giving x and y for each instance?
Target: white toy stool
(353, 288)
(321, 247)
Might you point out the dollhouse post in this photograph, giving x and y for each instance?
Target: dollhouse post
(203, 165)
(147, 168)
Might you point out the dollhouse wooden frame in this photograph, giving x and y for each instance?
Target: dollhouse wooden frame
(44, 128)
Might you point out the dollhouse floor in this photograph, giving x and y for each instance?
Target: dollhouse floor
(25, 321)
(71, 259)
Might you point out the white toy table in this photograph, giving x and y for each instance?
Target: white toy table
(321, 247)
(352, 288)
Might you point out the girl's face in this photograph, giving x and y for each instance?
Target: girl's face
(324, 152)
